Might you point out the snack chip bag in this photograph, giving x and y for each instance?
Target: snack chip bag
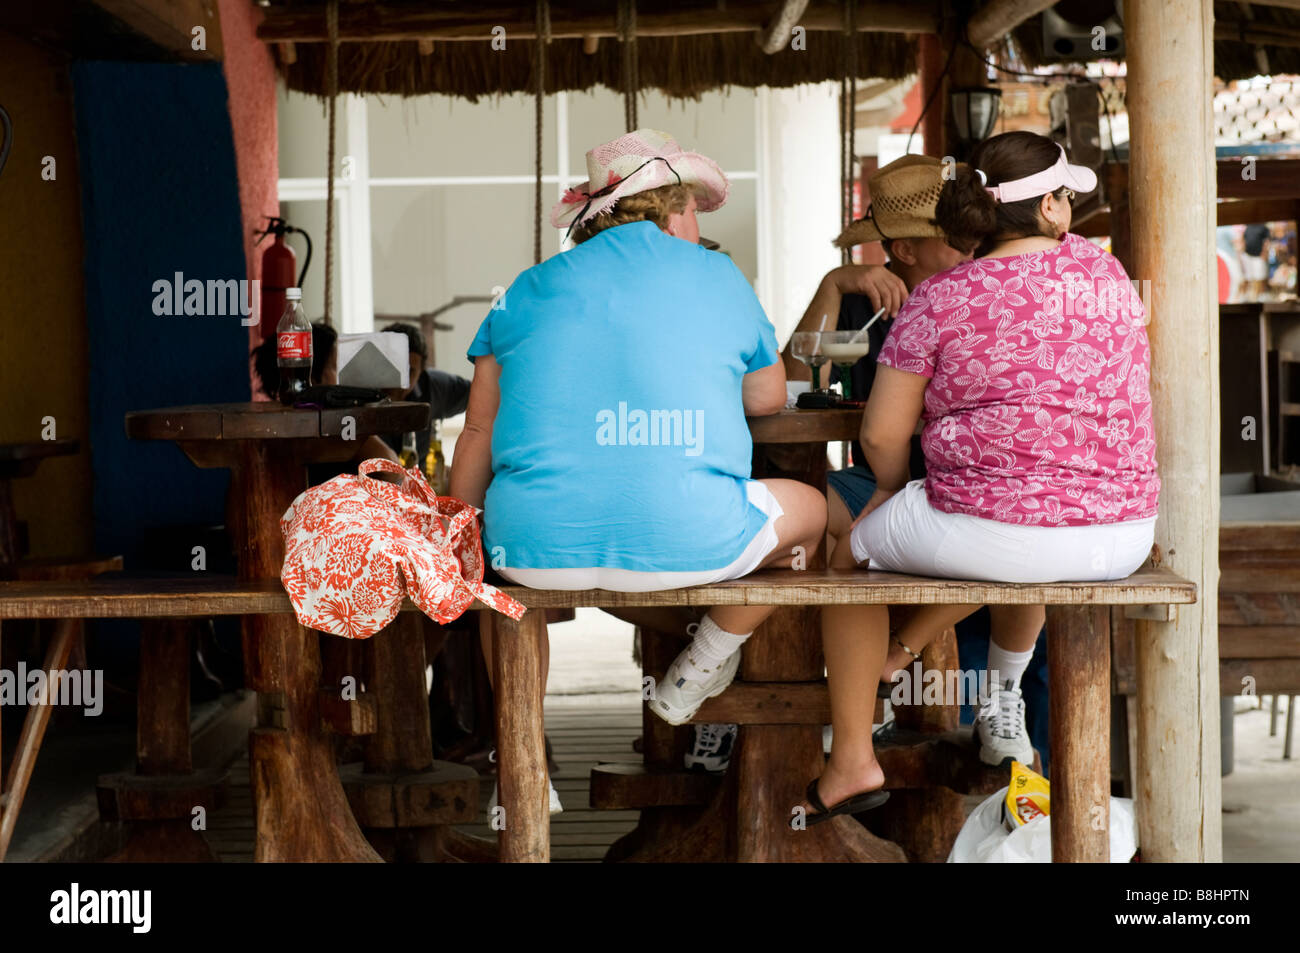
(1028, 796)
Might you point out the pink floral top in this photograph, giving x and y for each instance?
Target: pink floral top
(1038, 409)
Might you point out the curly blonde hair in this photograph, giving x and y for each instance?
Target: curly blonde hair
(653, 205)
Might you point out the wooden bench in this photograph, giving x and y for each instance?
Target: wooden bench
(754, 810)
(406, 802)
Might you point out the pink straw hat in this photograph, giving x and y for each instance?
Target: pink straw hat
(637, 162)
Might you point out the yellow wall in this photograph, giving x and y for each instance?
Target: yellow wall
(42, 301)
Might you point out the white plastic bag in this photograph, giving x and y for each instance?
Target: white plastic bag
(984, 839)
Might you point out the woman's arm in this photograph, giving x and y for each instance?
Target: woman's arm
(762, 391)
(896, 403)
(471, 469)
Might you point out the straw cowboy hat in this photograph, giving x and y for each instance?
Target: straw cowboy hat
(637, 162)
(903, 197)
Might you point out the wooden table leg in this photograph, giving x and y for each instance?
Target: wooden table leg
(659, 830)
(521, 744)
(158, 799)
(301, 811)
(1078, 672)
(404, 800)
(774, 763)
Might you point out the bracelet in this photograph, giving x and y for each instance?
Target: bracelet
(915, 655)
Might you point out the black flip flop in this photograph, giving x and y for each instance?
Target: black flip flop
(852, 805)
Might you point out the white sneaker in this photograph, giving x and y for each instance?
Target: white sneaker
(712, 748)
(556, 806)
(686, 686)
(1000, 729)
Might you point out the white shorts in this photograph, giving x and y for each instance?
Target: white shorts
(1253, 267)
(906, 534)
(630, 580)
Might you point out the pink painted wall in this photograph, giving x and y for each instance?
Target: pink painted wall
(250, 78)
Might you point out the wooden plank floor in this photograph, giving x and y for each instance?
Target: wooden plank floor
(581, 735)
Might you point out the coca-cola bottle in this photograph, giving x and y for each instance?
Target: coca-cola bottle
(293, 348)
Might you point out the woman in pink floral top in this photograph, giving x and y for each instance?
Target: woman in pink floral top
(1030, 368)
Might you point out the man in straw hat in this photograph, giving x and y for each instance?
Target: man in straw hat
(605, 437)
(901, 217)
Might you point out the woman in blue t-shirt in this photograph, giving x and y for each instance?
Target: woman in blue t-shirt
(606, 439)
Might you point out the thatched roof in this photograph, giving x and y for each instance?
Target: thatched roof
(1237, 36)
(684, 47)
(680, 66)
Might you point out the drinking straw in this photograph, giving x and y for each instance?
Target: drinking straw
(863, 330)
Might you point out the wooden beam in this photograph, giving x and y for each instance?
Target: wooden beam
(1246, 211)
(1262, 34)
(1171, 200)
(170, 23)
(776, 34)
(369, 23)
(1263, 179)
(998, 18)
(1240, 212)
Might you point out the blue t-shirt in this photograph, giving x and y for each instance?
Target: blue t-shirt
(620, 441)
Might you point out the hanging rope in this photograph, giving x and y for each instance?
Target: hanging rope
(848, 48)
(331, 89)
(539, 100)
(631, 70)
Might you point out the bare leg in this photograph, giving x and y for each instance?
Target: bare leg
(925, 625)
(854, 639)
(838, 521)
(799, 532)
(1016, 628)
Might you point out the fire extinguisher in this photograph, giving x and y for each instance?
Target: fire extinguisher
(277, 271)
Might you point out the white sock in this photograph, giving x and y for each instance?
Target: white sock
(1009, 666)
(712, 646)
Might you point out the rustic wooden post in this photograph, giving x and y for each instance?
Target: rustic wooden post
(1172, 208)
(1078, 672)
(521, 745)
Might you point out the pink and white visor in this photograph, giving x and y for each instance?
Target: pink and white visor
(1077, 177)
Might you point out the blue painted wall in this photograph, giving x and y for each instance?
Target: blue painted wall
(159, 196)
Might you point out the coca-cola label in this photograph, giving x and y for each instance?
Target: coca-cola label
(293, 345)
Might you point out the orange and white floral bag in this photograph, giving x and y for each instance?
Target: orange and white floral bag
(355, 546)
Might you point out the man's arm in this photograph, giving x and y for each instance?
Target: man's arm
(881, 286)
(448, 393)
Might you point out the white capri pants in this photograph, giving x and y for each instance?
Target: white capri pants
(906, 534)
(631, 580)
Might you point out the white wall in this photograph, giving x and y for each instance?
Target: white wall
(799, 179)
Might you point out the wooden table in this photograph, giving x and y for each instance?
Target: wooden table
(301, 811)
